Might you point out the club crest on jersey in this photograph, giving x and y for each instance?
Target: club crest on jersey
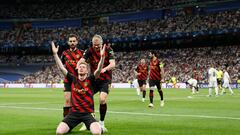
(78, 56)
(80, 91)
(85, 84)
(72, 62)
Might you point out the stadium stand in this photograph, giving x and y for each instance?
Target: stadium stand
(148, 22)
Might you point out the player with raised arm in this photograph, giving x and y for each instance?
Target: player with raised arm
(92, 56)
(82, 104)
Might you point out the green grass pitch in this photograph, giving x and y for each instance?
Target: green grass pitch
(38, 112)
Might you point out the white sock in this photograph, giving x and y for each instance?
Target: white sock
(193, 90)
(101, 123)
(223, 90)
(138, 91)
(230, 89)
(216, 90)
(210, 91)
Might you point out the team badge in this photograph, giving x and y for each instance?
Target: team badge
(85, 84)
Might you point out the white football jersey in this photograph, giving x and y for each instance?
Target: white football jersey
(212, 74)
(192, 82)
(226, 77)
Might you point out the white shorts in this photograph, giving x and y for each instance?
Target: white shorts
(212, 84)
(194, 83)
(135, 83)
(226, 84)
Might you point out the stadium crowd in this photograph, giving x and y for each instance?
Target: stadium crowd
(50, 74)
(181, 63)
(25, 59)
(178, 62)
(55, 9)
(180, 23)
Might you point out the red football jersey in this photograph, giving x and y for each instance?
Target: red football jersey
(155, 70)
(93, 58)
(143, 69)
(69, 59)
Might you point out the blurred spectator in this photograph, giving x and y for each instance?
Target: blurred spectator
(182, 63)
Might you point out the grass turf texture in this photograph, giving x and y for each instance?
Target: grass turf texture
(38, 112)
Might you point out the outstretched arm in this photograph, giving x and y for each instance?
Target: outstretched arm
(100, 63)
(112, 62)
(57, 59)
(110, 66)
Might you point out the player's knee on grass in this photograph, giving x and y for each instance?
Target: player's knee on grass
(95, 128)
(62, 129)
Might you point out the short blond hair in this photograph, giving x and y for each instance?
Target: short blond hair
(99, 37)
(85, 63)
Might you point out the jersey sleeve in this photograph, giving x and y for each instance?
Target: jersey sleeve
(70, 77)
(92, 78)
(111, 54)
(93, 82)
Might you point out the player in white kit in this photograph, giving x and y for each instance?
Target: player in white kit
(193, 85)
(226, 81)
(212, 81)
(135, 83)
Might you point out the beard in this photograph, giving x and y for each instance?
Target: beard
(72, 46)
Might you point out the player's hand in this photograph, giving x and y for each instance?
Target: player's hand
(54, 48)
(138, 73)
(103, 70)
(102, 50)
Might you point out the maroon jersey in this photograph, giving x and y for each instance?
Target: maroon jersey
(70, 59)
(93, 58)
(143, 69)
(82, 93)
(155, 70)
(195, 75)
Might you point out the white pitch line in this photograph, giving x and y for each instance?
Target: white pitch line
(29, 108)
(36, 103)
(133, 113)
(176, 115)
